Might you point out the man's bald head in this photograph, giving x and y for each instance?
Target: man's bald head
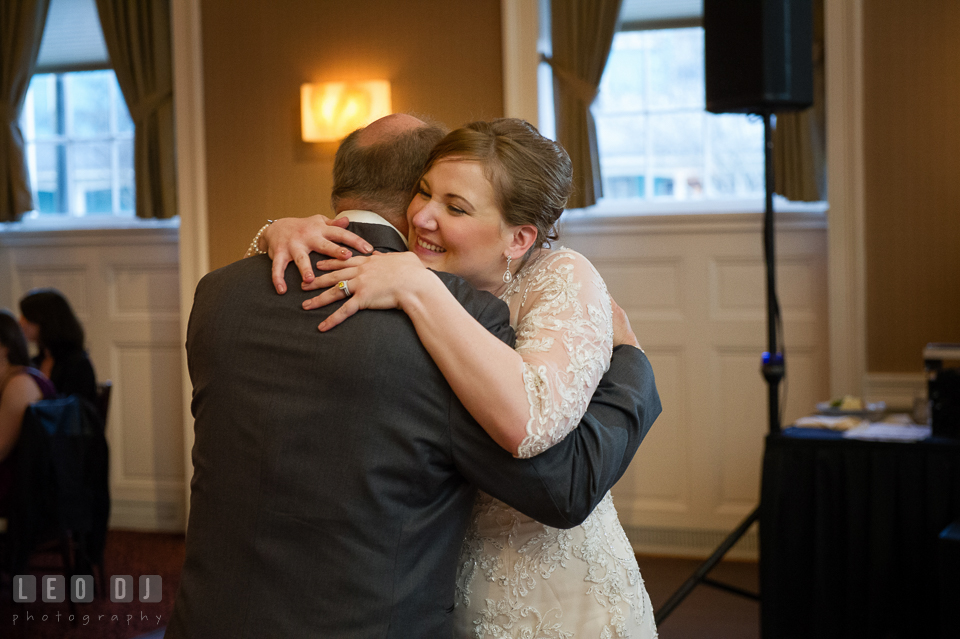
(377, 167)
(387, 127)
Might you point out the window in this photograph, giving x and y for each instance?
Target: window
(655, 138)
(77, 130)
(79, 144)
(657, 142)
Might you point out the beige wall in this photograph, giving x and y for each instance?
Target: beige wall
(442, 58)
(912, 176)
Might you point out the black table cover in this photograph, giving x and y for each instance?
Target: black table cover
(849, 532)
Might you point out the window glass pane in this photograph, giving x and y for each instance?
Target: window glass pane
(43, 88)
(98, 201)
(89, 167)
(736, 157)
(88, 98)
(620, 135)
(84, 162)
(626, 186)
(656, 139)
(125, 169)
(676, 68)
(48, 188)
(124, 121)
(622, 85)
(662, 186)
(677, 139)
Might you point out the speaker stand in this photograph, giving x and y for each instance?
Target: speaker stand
(772, 368)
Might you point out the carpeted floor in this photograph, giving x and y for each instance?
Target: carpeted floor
(707, 613)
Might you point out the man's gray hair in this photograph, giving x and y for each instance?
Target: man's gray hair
(384, 175)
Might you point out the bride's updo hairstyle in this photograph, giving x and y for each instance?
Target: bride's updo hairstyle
(531, 175)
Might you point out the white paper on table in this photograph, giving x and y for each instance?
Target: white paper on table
(887, 432)
(832, 423)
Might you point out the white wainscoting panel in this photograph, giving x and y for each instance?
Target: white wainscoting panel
(123, 283)
(694, 289)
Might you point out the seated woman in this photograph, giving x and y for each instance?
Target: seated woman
(20, 386)
(49, 322)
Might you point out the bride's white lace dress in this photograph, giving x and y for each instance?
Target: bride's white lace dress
(519, 578)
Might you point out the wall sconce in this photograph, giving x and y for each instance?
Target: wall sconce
(330, 111)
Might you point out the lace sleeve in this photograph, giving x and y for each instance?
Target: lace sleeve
(565, 337)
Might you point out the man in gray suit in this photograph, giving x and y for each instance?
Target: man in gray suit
(334, 473)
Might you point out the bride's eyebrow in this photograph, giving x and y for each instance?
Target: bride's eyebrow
(456, 196)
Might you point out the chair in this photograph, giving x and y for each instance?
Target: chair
(948, 565)
(103, 399)
(61, 489)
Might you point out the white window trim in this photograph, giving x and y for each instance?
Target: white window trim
(843, 23)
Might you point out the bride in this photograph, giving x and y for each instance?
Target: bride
(486, 209)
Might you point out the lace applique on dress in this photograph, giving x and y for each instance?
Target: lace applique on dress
(518, 578)
(565, 335)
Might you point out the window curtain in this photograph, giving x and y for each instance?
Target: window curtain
(138, 39)
(799, 139)
(21, 29)
(582, 33)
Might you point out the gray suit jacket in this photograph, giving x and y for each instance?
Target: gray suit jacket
(334, 472)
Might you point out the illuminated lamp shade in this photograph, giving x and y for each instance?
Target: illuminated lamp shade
(332, 110)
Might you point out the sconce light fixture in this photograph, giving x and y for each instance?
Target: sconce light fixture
(331, 110)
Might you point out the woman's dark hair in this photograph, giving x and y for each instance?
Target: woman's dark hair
(531, 175)
(60, 330)
(11, 337)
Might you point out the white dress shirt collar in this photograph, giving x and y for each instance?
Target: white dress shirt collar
(369, 217)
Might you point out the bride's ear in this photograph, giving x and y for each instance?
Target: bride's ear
(522, 238)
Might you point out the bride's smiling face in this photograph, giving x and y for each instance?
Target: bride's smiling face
(456, 225)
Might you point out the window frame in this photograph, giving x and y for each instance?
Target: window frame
(35, 221)
(65, 138)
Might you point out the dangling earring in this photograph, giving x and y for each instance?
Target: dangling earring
(507, 275)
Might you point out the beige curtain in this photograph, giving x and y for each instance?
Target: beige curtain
(21, 29)
(138, 40)
(799, 140)
(582, 32)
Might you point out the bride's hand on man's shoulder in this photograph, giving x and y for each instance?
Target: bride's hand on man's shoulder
(622, 332)
(291, 239)
(379, 281)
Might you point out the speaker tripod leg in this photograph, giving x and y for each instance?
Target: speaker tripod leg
(701, 572)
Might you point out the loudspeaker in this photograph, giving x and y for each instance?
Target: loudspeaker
(759, 55)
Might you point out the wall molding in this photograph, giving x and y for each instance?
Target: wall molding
(147, 232)
(843, 23)
(898, 390)
(191, 184)
(692, 543)
(519, 26)
(577, 223)
(149, 516)
(123, 283)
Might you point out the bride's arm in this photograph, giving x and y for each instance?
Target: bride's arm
(564, 334)
(291, 239)
(527, 400)
(485, 373)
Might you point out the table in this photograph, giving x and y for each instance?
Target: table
(849, 535)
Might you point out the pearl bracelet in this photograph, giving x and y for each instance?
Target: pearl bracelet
(255, 244)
